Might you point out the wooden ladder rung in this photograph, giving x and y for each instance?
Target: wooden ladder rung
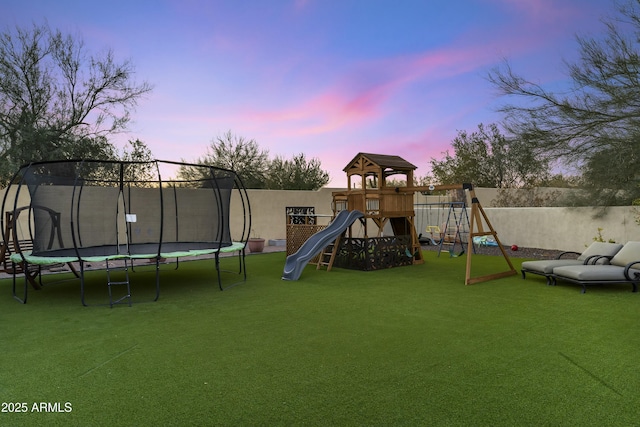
(330, 253)
(322, 260)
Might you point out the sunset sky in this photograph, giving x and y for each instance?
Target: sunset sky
(329, 78)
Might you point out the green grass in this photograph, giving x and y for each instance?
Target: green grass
(404, 346)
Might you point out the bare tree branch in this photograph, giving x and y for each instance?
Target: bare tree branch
(53, 94)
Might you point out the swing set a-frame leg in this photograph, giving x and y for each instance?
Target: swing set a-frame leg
(477, 216)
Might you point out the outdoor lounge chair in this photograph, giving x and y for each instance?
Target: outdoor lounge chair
(600, 252)
(623, 268)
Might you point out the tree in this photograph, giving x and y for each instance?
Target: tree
(296, 174)
(238, 154)
(486, 158)
(140, 152)
(56, 100)
(253, 166)
(594, 125)
(144, 170)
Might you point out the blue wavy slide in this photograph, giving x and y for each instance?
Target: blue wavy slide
(296, 262)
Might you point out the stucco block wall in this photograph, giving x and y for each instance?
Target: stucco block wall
(548, 228)
(268, 208)
(562, 228)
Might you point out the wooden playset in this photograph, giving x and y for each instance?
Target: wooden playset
(384, 202)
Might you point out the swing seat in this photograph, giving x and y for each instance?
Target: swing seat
(433, 229)
(431, 239)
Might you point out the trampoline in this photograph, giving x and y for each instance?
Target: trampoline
(80, 211)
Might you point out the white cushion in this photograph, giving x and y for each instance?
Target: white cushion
(546, 266)
(629, 253)
(605, 273)
(600, 248)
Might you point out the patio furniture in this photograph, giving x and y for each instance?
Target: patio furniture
(602, 251)
(624, 268)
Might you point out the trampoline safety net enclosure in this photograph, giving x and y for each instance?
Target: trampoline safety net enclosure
(89, 208)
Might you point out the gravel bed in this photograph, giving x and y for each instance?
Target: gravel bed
(533, 253)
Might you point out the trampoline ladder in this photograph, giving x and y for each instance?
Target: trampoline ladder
(111, 283)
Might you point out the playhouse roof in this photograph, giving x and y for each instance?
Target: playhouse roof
(383, 161)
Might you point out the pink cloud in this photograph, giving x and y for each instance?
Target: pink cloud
(355, 109)
(544, 20)
(365, 95)
(325, 112)
(546, 10)
(353, 100)
(299, 5)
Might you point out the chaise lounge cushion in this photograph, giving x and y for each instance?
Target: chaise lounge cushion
(545, 267)
(618, 271)
(628, 254)
(604, 249)
(594, 273)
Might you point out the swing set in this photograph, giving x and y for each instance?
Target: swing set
(451, 232)
(479, 226)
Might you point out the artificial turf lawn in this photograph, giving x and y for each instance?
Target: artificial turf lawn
(404, 346)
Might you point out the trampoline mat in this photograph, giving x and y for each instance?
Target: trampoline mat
(102, 253)
(132, 250)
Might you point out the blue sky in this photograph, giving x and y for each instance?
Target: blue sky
(329, 78)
